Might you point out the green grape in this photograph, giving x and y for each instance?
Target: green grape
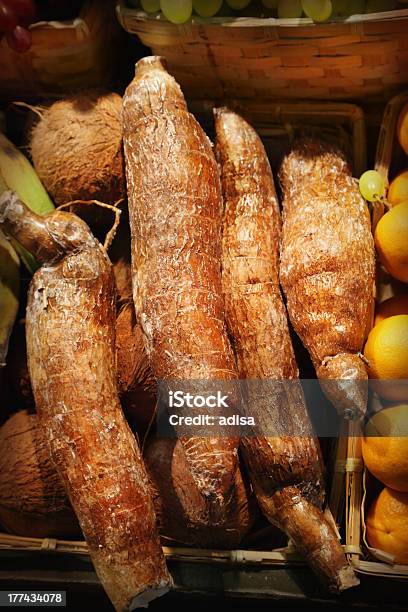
(372, 185)
(270, 4)
(207, 8)
(177, 11)
(379, 6)
(150, 6)
(238, 5)
(355, 7)
(318, 10)
(289, 8)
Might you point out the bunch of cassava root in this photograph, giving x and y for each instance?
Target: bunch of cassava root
(200, 301)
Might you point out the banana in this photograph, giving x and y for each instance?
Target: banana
(17, 174)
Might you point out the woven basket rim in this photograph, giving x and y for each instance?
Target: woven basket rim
(246, 22)
(285, 555)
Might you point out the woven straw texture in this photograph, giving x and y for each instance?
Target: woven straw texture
(64, 56)
(363, 57)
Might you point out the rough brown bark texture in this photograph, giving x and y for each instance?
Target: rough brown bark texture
(137, 386)
(71, 356)
(136, 383)
(175, 208)
(286, 472)
(328, 268)
(33, 502)
(180, 508)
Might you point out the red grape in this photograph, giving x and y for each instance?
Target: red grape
(24, 9)
(8, 18)
(19, 39)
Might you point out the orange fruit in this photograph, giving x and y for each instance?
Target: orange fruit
(402, 128)
(398, 190)
(385, 446)
(391, 241)
(387, 524)
(386, 350)
(396, 305)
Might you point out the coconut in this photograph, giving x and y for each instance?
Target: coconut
(182, 512)
(123, 279)
(33, 502)
(17, 368)
(120, 256)
(76, 148)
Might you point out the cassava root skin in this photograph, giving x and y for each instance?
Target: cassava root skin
(328, 268)
(286, 472)
(70, 327)
(136, 384)
(180, 508)
(175, 208)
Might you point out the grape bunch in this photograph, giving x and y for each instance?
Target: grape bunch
(180, 11)
(15, 17)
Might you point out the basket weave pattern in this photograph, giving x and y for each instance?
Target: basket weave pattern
(64, 55)
(364, 56)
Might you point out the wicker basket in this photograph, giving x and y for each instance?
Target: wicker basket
(276, 123)
(64, 56)
(389, 156)
(362, 57)
(281, 557)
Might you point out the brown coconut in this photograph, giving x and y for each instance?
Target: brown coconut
(76, 148)
(123, 279)
(17, 368)
(33, 502)
(120, 254)
(181, 511)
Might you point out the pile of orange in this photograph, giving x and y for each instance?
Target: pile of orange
(387, 344)
(387, 524)
(385, 454)
(391, 235)
(385, 444)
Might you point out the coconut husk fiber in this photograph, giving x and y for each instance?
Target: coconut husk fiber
(76, 148)
(33, 502)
